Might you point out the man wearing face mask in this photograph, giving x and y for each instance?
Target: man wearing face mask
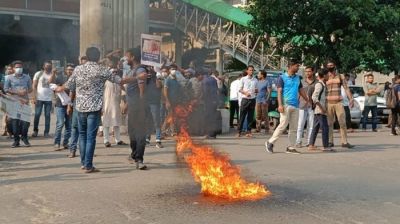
(19, 85)
(8, 71)
(335, 106)
(42, 97)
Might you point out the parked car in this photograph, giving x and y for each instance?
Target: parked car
(359, 97)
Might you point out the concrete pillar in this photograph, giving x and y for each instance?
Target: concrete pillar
(178, 47)
(219, 60)
(111, 24)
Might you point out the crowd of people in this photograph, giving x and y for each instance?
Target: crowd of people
(118, 91)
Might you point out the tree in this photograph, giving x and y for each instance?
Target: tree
(357, 34)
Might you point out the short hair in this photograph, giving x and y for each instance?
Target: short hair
(330, 61)
(322, 72)
(84, 58)
(135, 52)
(17, 62)
(293, 61)
(309, 67)
(370, 74)
(347, 75)
(263, 73)
(70, 65)
(93, 54)
(47, 62)
(249, 66)
(164, 67)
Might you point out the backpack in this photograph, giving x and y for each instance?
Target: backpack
(391, 98)
(314, 105)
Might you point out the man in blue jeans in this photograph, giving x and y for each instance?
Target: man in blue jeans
(63, 118)
(153, 92)
(42, 97)
(371, 91)
(88, 82)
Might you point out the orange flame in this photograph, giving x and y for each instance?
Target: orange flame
(217, 176)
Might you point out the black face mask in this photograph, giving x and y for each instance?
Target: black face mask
(331, 69)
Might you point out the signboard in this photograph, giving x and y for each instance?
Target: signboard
(151, 50)
(15, 109)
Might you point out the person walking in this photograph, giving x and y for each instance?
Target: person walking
(306, 113)
(19, 85)
(247, 87)
(371, 91)
(234, 100)
(320, 118)
(42, 97)
(335, 106)
(210, 99)
(289, 87)
(396, 108)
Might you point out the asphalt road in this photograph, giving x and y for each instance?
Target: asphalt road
(39, 185)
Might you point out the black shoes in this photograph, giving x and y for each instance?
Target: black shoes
(292, 150)
(347, 145)
(141, 166)
(15, 145)
(107, 145)
(269, 147)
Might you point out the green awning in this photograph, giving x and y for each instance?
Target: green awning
(222, 9)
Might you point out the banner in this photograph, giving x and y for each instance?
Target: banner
(15, 109)
(151, 50)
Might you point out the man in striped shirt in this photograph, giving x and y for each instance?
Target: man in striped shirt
(335, 106)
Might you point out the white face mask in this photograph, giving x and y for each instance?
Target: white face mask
(164, 74)
(18, 71)
(173, 72)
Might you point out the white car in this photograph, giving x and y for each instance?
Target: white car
(359, 97)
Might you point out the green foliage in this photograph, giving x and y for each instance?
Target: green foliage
(357, 34)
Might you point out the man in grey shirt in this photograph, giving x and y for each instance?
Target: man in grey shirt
(371, 91)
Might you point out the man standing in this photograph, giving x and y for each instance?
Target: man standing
(263, 90)
(335, 106)
(247, 87)
(234, 100)
(61, 110)
(288, 89)
(396, 109)
(210, 99)
(153, 93)
(306, 112)
(172, 94)
(196, 118)
(88, 82)
(19, 85)
(371, 91)
(320, 118)
(42, 97)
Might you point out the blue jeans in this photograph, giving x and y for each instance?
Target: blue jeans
(62, 119)
(163, 113)
(88, 125)
(19, 129)
(38, 111)
(73, 142)
(374, 111)
(155, 113)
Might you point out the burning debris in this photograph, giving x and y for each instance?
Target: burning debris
(213, 170)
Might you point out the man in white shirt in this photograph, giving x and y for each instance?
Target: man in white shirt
(247, 87)
(234, 100)
(42, 97)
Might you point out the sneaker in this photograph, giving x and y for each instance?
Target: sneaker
(72, 154)
(330, 145)
(269, 147)
(347, 145)
(57, 147)
(107, 145)
(292, 150)
(34, 134)
(374, 130)
(121, 143)
(15, 145)
(159, 145)
(26, 143)
(393, 134)
(141, 166)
